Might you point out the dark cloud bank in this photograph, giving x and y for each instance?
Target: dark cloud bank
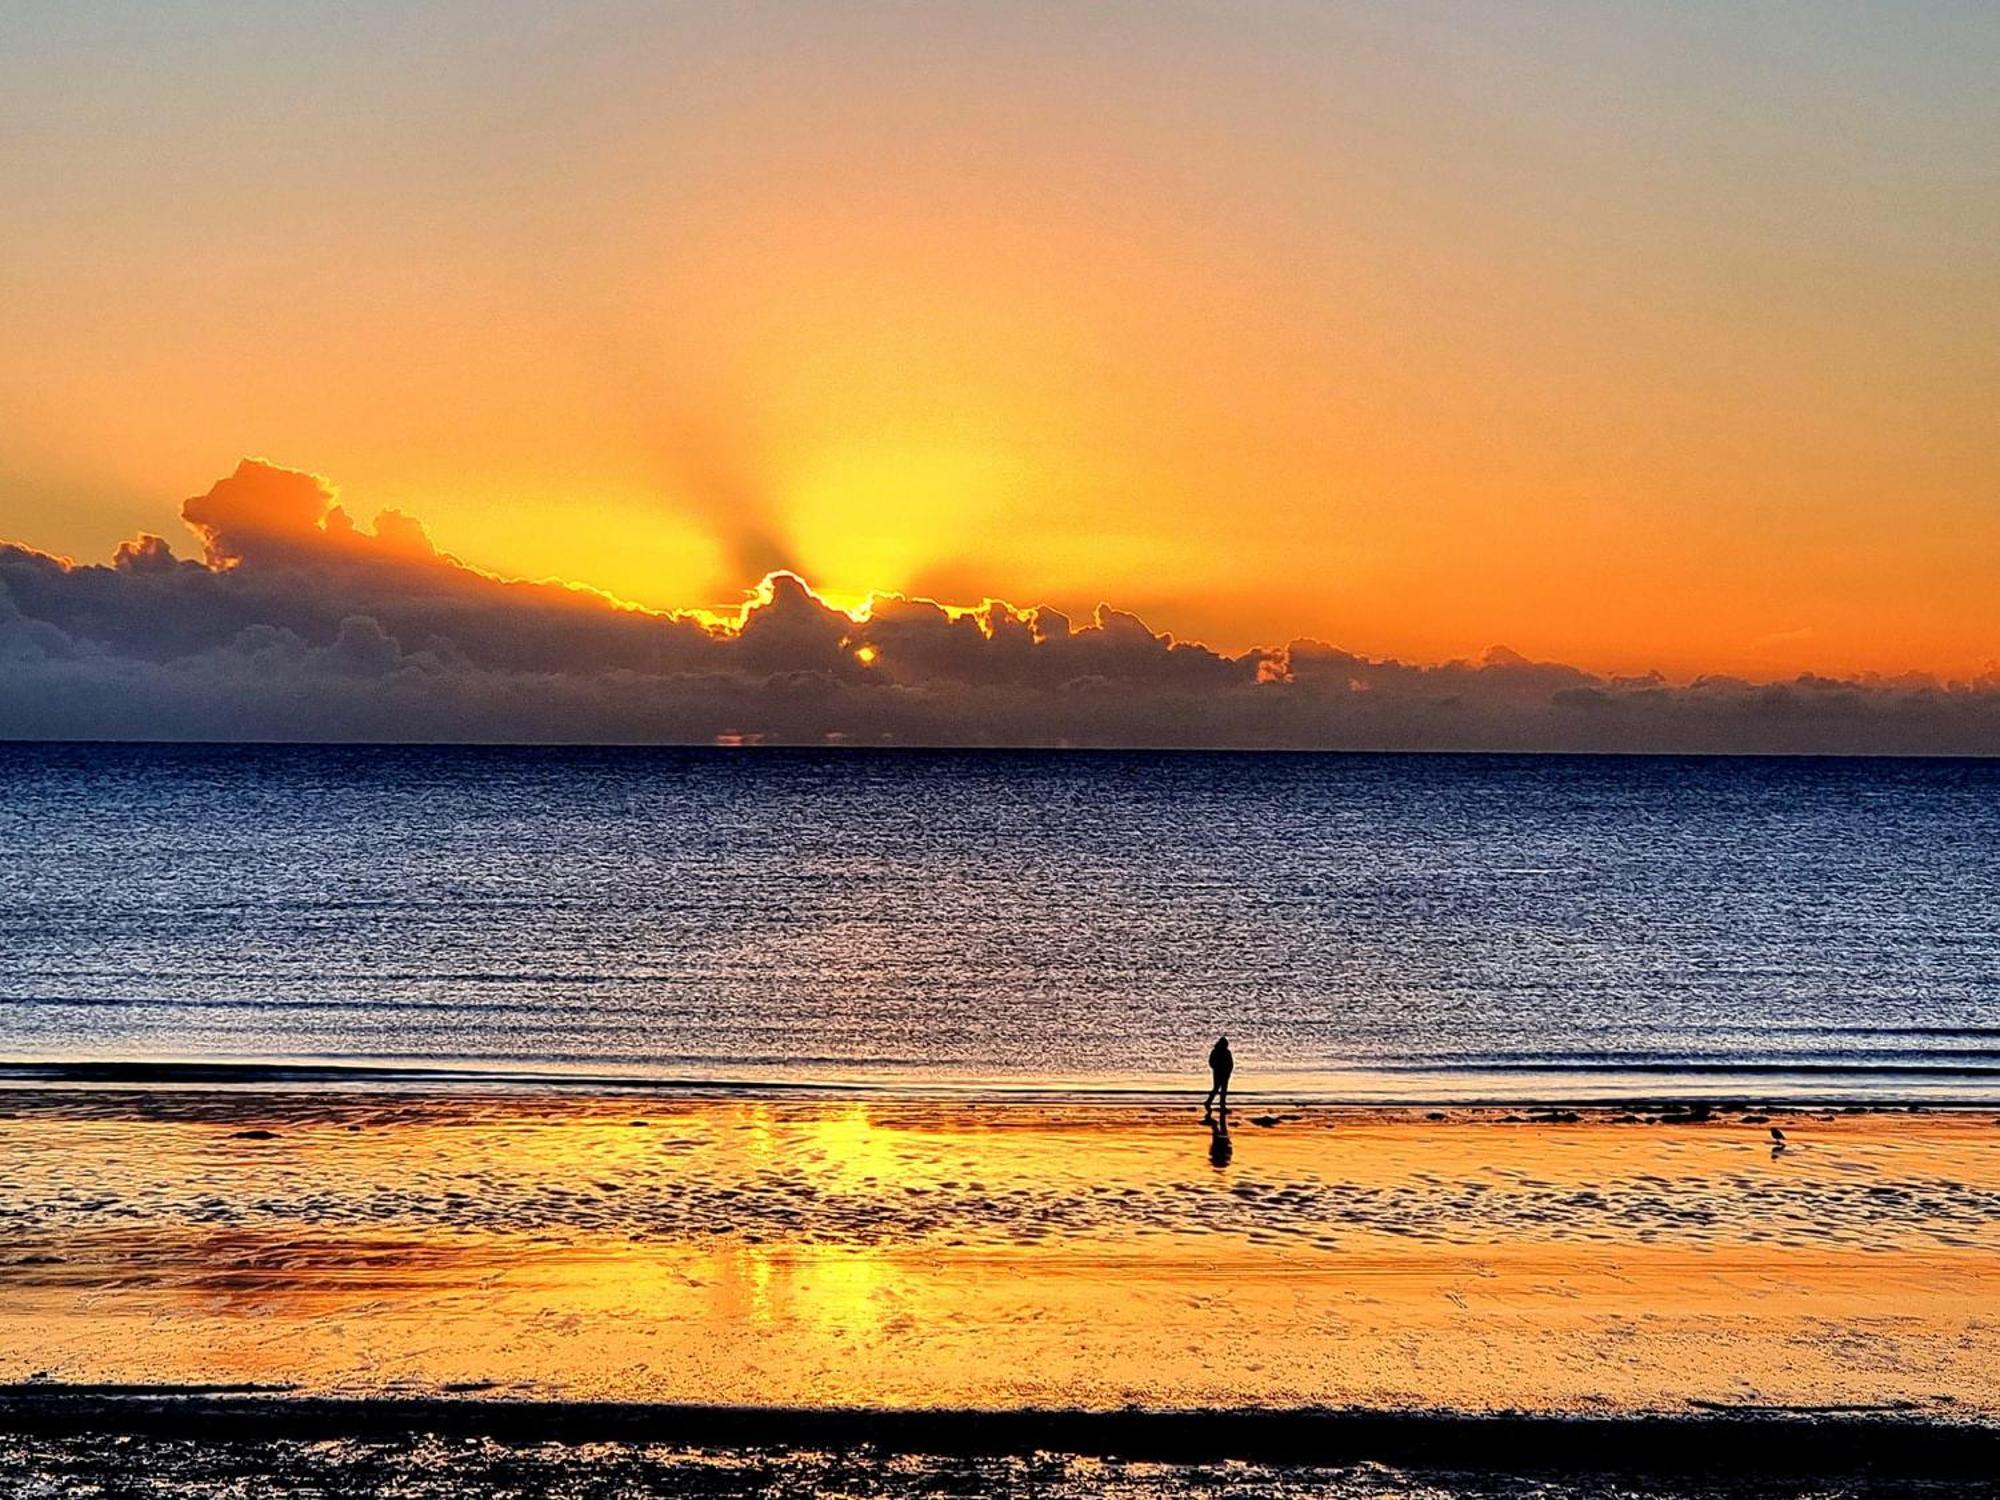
(296, 624)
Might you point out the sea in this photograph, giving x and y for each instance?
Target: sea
(1362, 927)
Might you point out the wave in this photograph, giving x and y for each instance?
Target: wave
(1945, 1065)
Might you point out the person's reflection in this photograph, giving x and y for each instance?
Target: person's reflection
(1219, 1149)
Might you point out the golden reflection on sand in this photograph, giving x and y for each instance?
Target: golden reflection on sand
(962, 1254)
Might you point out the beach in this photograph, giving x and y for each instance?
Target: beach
(825, 1250)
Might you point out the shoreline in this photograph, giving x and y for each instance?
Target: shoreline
(1758, 1443)
(1716, 1090)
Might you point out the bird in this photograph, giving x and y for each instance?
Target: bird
(1777, 1135)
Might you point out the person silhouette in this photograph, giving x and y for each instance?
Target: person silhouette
(1220, 1066)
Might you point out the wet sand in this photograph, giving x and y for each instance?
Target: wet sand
(821, 1252)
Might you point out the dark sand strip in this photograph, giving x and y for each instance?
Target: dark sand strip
(1758, 1442)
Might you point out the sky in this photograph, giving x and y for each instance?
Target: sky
(1637, 337)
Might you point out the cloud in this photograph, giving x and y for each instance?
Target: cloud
(297, 623)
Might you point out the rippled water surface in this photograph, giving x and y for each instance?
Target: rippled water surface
(1424, 926)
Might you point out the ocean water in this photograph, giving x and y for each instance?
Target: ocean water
(1362, 926)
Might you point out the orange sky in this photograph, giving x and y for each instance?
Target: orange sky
(1627, 335)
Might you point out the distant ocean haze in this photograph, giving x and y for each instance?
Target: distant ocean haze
(1361, 926)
